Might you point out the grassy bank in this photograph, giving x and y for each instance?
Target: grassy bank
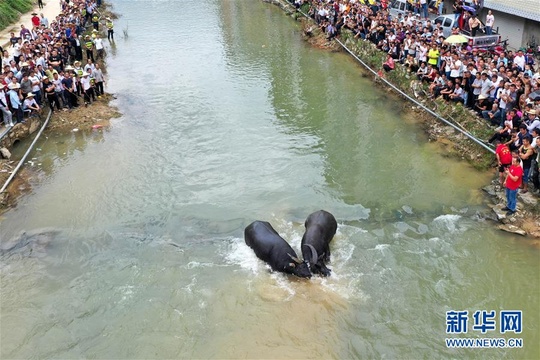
(11, 11)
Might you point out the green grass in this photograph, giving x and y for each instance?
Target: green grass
(11, 11)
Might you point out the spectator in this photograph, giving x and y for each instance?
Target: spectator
(493, 116)
(490, 20)
(474, 24)
(4, 108)
(30, 105)
(504, 158)
(15, 101)
(388, 65)
(50, 92)
(457, 94)
(422, 71)
(526, 153)
(514, 176)
(532, 121)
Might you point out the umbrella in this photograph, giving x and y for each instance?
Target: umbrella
(469, 9)
(535, 95)
(456, 39)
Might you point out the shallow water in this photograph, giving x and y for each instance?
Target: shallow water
(133, 244)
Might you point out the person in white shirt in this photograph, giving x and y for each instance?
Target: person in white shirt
(8, 116)
(88, 91)
(519, 60)
(490, 20)
(31, 104)
(98, 43)
(36, 86)
(455, 67)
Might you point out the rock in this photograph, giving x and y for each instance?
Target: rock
(528, 198)
(498, 209)
(512, 229)
(490, 189)
(5, 153)
(34, 125)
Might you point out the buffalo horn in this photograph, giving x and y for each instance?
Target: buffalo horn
(296, 260)
(314, 256)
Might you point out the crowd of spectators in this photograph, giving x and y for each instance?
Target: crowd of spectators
(44, 65)
(502, 87)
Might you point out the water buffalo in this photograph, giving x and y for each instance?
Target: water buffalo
(274, 250)
(321, 227)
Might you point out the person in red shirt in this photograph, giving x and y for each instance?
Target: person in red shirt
(36, 21)
(504, 158)
(514, 176)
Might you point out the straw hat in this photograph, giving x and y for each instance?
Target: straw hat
(482, 97)
(29, 95)
(532, 112)
(14, 86)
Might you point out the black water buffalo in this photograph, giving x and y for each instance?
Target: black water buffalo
(274, 250)
(321, 227)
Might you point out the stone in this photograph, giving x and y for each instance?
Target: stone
(5, 153)
(498, 209)
(34, 125)
(490, 189)
(528, 198)
(512, 229)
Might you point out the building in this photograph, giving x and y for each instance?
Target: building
(517, 20)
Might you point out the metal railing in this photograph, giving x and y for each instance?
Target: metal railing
(21, 162)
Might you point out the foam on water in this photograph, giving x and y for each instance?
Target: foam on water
(448, 222)
(238, 253)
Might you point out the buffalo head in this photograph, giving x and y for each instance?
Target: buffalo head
(298, 267)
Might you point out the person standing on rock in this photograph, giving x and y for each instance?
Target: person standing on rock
(526, 154)
(40, 4)
(514, 175)
(8, 117)
(504, 158)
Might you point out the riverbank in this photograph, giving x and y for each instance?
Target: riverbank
(96, 117)
(526, 221)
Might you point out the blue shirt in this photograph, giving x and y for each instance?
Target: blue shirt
(14, 99)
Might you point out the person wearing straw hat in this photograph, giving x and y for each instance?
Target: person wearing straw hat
(8, 117)
(30, 104)
(531, 120)
(15, 100)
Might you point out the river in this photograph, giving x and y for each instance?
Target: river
(131, 239)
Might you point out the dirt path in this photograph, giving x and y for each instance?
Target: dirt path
(50, 9)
